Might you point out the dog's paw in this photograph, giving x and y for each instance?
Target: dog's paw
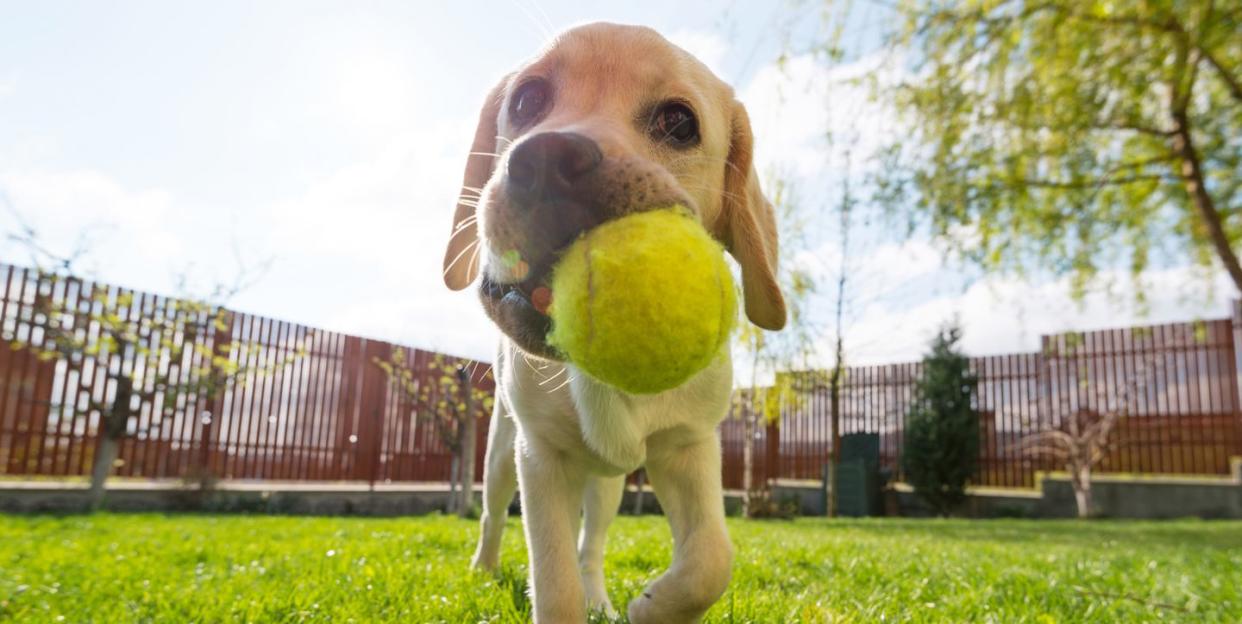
(646, 610)
(605, 607)
(484, 563)
(596, 595)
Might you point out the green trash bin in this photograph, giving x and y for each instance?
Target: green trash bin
(858, 480)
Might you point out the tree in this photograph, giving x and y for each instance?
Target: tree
(941, 448)
(767, 352)
(180, 359)
(836, 375)
(1069, 135)
(444, 394)
(1079, 438)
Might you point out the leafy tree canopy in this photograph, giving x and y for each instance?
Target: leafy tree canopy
(1072, 135)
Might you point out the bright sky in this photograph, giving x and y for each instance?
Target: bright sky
(329, 138)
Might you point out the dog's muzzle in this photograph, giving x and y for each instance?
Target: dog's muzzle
(550, 186)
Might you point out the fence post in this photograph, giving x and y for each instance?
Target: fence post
(1236, 324)
(372, 411)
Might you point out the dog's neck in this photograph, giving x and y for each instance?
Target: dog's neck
(616, 426)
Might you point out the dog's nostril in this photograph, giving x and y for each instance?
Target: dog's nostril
(547, 165)
(523, 173)
(579, 157)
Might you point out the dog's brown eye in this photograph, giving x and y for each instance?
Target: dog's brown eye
(528, 102)
(674, 123)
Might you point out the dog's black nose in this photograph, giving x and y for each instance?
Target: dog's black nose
(548, 165)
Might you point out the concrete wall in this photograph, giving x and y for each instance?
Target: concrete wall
(811, 496)
(1139, 497)
(326, 499)
(284, 498)
(1129, 496)
(980, 503)
(1114, 496)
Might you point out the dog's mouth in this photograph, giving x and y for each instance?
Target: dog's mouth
(520, 309)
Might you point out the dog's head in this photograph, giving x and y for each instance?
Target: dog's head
(608, 120)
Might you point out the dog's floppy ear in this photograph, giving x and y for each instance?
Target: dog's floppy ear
(461, 258)
(750, 228)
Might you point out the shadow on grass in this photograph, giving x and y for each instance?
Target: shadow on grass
(512, 579)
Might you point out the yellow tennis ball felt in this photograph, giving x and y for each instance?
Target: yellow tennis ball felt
(643, 302)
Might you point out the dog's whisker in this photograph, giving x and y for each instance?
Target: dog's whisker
(526, 360)
(699, 157)
(568, 379)
(703, 187)
(471, 246)
(473, 266)
(547, 21)
(548, 379)
(545, 30)
(464, 226)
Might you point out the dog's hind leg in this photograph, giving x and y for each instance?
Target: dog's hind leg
(600, 501)
(499, 485)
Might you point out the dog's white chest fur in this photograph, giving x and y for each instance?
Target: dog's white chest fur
(600, 426)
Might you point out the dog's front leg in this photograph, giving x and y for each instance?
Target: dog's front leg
(686, 479)
(603, 497)
(551, 493)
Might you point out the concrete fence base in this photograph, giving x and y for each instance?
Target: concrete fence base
(290, 498)
(52, 496)
(1114, 496)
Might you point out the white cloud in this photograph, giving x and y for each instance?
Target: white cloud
(358, 251)
(805, 115)
(125, 231)
(1007, 315)
(8, 85)
(375, 231)
(708, 47)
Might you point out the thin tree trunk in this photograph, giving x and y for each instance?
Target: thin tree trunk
(105, 455)
(748, 435)
(465, 506)
(833, 502)
(748, 458)
(1082, 490)
(838, 366)
(114, 424)
(1193, 178)
(453, 469)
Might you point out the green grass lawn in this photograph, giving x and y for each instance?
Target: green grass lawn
(204, 568)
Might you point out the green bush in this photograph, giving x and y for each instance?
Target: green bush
(941, 449)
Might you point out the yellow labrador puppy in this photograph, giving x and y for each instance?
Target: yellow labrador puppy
(606, 121)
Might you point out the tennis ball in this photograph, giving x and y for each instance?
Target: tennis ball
(643, 302)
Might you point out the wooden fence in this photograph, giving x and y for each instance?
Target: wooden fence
(1174, 385)
(306, 404)
(312, 405)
